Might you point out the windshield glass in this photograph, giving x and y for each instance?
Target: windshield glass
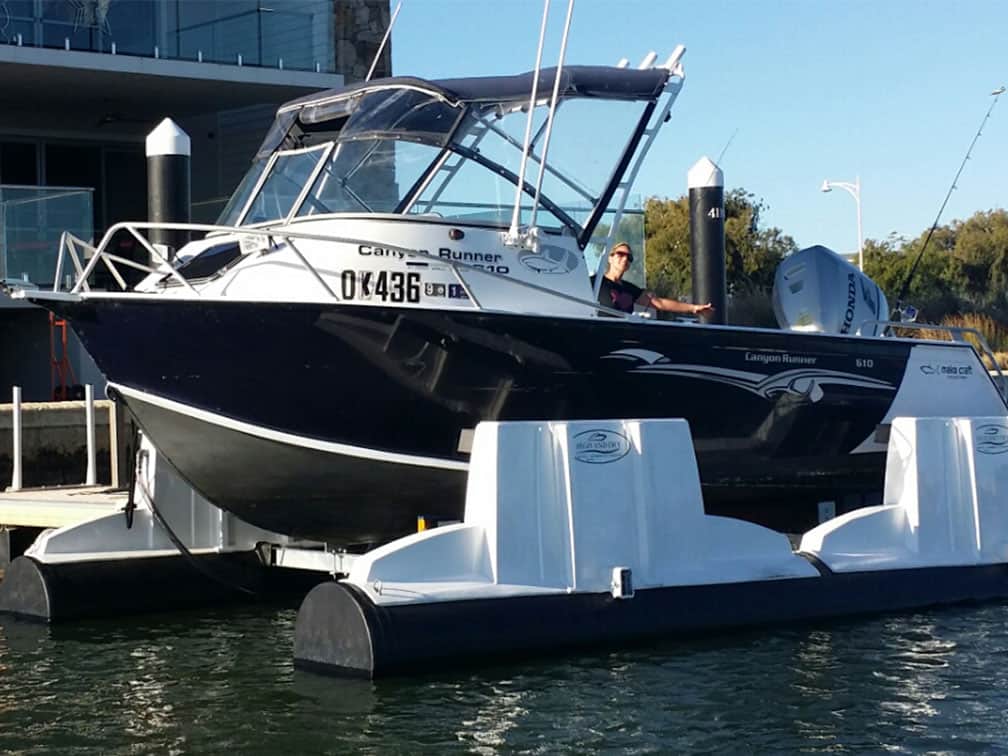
(588, 137)
(405, 150)
(372, 175)
(232, 211)
(407, 113)
(284, 184)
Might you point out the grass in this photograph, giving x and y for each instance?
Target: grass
(751, 307)
(993, 331)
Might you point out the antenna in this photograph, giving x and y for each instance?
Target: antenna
(552, 112)
(381, 47)
(996, 94)
(515, 217)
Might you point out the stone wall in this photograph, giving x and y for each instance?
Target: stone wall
(359, 28)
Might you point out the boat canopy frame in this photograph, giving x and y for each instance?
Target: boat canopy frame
(446, 105)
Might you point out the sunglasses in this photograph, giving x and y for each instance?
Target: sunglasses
(627, 255)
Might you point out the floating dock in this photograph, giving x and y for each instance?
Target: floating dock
(58, 507)
(593, 533)
(576, 534)
(96, 556)
(24, 513)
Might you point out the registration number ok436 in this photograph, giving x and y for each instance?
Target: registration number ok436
(383, 285)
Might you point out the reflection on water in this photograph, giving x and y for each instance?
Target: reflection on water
(210, 682)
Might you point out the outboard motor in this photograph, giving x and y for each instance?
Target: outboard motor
(815, 289)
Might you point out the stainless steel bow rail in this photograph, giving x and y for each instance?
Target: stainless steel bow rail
(75, 249)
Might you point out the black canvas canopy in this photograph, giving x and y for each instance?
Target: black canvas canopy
(605, 82)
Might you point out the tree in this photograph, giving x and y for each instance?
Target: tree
(963, 269)
(666, 229)
(752, 253)
(981, 247)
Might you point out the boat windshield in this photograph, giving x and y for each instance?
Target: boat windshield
(408, 151)
(477, 182)
(233, 209)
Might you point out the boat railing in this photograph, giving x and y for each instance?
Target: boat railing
(75, 249)
(957, 333)
(69, 246)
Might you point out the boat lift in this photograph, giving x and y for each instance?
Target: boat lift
(576, 534)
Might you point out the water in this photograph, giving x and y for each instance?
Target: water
(224, 681)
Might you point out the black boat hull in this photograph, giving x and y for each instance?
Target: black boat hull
(344, 423)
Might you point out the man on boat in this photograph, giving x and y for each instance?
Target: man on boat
(622, 295)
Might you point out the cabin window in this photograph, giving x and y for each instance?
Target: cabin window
(402, 149)
(368, 175)
(286, 180)
(398, 112)
(232, 211)
(475, 193)
(478, 182)
(589, 138)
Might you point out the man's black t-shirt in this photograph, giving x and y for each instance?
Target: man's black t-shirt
(620, 295)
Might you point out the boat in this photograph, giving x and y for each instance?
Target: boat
(317, 361)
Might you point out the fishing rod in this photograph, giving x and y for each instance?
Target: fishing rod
(725, 148)
(897, 313)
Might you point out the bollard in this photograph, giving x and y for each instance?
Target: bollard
(707, 239)
(168, 184)
(113, 422)
(89, 479)
(16, 477)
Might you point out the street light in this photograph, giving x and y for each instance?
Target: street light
(855, 191)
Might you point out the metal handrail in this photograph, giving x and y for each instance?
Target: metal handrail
(268, 232)
(955, 332)
(69, 192)
(68, 245)
(286, 234)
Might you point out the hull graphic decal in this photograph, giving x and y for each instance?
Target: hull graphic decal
(807, 382)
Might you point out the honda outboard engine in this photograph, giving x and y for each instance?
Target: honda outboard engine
(817, 290)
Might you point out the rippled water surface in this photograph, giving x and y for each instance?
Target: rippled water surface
(224, 681)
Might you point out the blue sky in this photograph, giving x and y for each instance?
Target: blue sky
(891, 91)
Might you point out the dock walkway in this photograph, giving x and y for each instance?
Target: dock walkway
(58, 506)
(53, 508)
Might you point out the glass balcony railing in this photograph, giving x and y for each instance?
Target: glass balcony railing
(293, 34)
(32, 219)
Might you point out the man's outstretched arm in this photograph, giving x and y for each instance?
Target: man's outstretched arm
(649, 298)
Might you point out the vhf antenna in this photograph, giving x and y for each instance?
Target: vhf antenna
(381, 47)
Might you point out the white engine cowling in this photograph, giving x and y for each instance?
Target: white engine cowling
(817, 290)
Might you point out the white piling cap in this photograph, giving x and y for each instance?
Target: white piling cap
(168, 139)
(704, 173)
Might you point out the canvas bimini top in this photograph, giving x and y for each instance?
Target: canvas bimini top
(606, 82)
(452, 148)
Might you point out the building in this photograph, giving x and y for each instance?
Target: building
(84, 81)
